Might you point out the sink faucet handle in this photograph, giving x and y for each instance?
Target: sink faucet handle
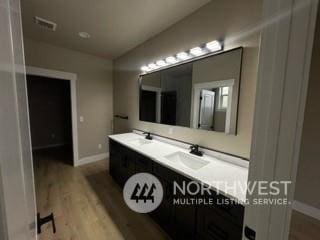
(148, 135)
(195, 150)
(194, 147)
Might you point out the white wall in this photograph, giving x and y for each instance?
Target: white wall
(220, 19)
(94, 90)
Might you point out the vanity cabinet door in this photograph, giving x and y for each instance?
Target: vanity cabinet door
(115, 167)
(232, 211)
(127, 164)
(115, 161)
(213, 226)
(122, 165)
(185, 214)
(164, 214)
(142, 164)
(184, 221)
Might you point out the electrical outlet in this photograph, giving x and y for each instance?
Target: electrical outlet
(81, 119)
(100, 146)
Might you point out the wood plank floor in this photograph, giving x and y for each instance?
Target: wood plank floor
(87, 203)
(304, 227)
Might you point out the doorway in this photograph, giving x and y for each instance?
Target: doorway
(50, 118)
(207, 109)
(148, 110)
(168, 107)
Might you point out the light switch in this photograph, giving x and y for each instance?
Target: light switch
(81, 119)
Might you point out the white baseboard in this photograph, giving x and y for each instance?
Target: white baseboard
(91, 159)
(306, 209)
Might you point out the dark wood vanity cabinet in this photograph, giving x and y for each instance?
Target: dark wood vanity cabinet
(122, 165)
(185, 215)
(213, 226)
(187, 222)
(142, 163)
(115, 167)
(163, 215)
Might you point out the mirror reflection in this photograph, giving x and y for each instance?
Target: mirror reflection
(202, 94)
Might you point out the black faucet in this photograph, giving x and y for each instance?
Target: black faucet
(149, 137)
(195, 150)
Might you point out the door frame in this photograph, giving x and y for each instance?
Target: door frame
(72, 77)
(158, 99)
(195, 105)
(284, 64)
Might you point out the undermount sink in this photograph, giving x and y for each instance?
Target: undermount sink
(194, 163)
(140, 142)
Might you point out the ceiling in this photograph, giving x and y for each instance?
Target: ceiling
(115, 26)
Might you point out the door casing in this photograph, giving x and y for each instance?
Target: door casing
(285, 54)
(72, 77)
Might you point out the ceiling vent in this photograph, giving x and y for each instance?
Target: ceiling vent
(46, 24)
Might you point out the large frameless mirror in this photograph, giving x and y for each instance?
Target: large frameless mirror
(201, 94)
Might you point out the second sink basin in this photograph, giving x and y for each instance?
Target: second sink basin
(194, 163)
(140, 141)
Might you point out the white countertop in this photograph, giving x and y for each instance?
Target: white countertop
(229, 178)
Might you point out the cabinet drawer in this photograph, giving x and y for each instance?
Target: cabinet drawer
(212, 226)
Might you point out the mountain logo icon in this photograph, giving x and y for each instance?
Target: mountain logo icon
(143, 192)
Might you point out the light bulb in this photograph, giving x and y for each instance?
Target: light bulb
(214, 46)
(197, 51)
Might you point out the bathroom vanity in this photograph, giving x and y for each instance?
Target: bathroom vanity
(170, 161)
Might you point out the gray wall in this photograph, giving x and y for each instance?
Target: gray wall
(308, 178)
(94, 90)
(219, 121)
(220, 19)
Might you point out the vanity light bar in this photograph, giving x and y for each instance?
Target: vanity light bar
(213, 46)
